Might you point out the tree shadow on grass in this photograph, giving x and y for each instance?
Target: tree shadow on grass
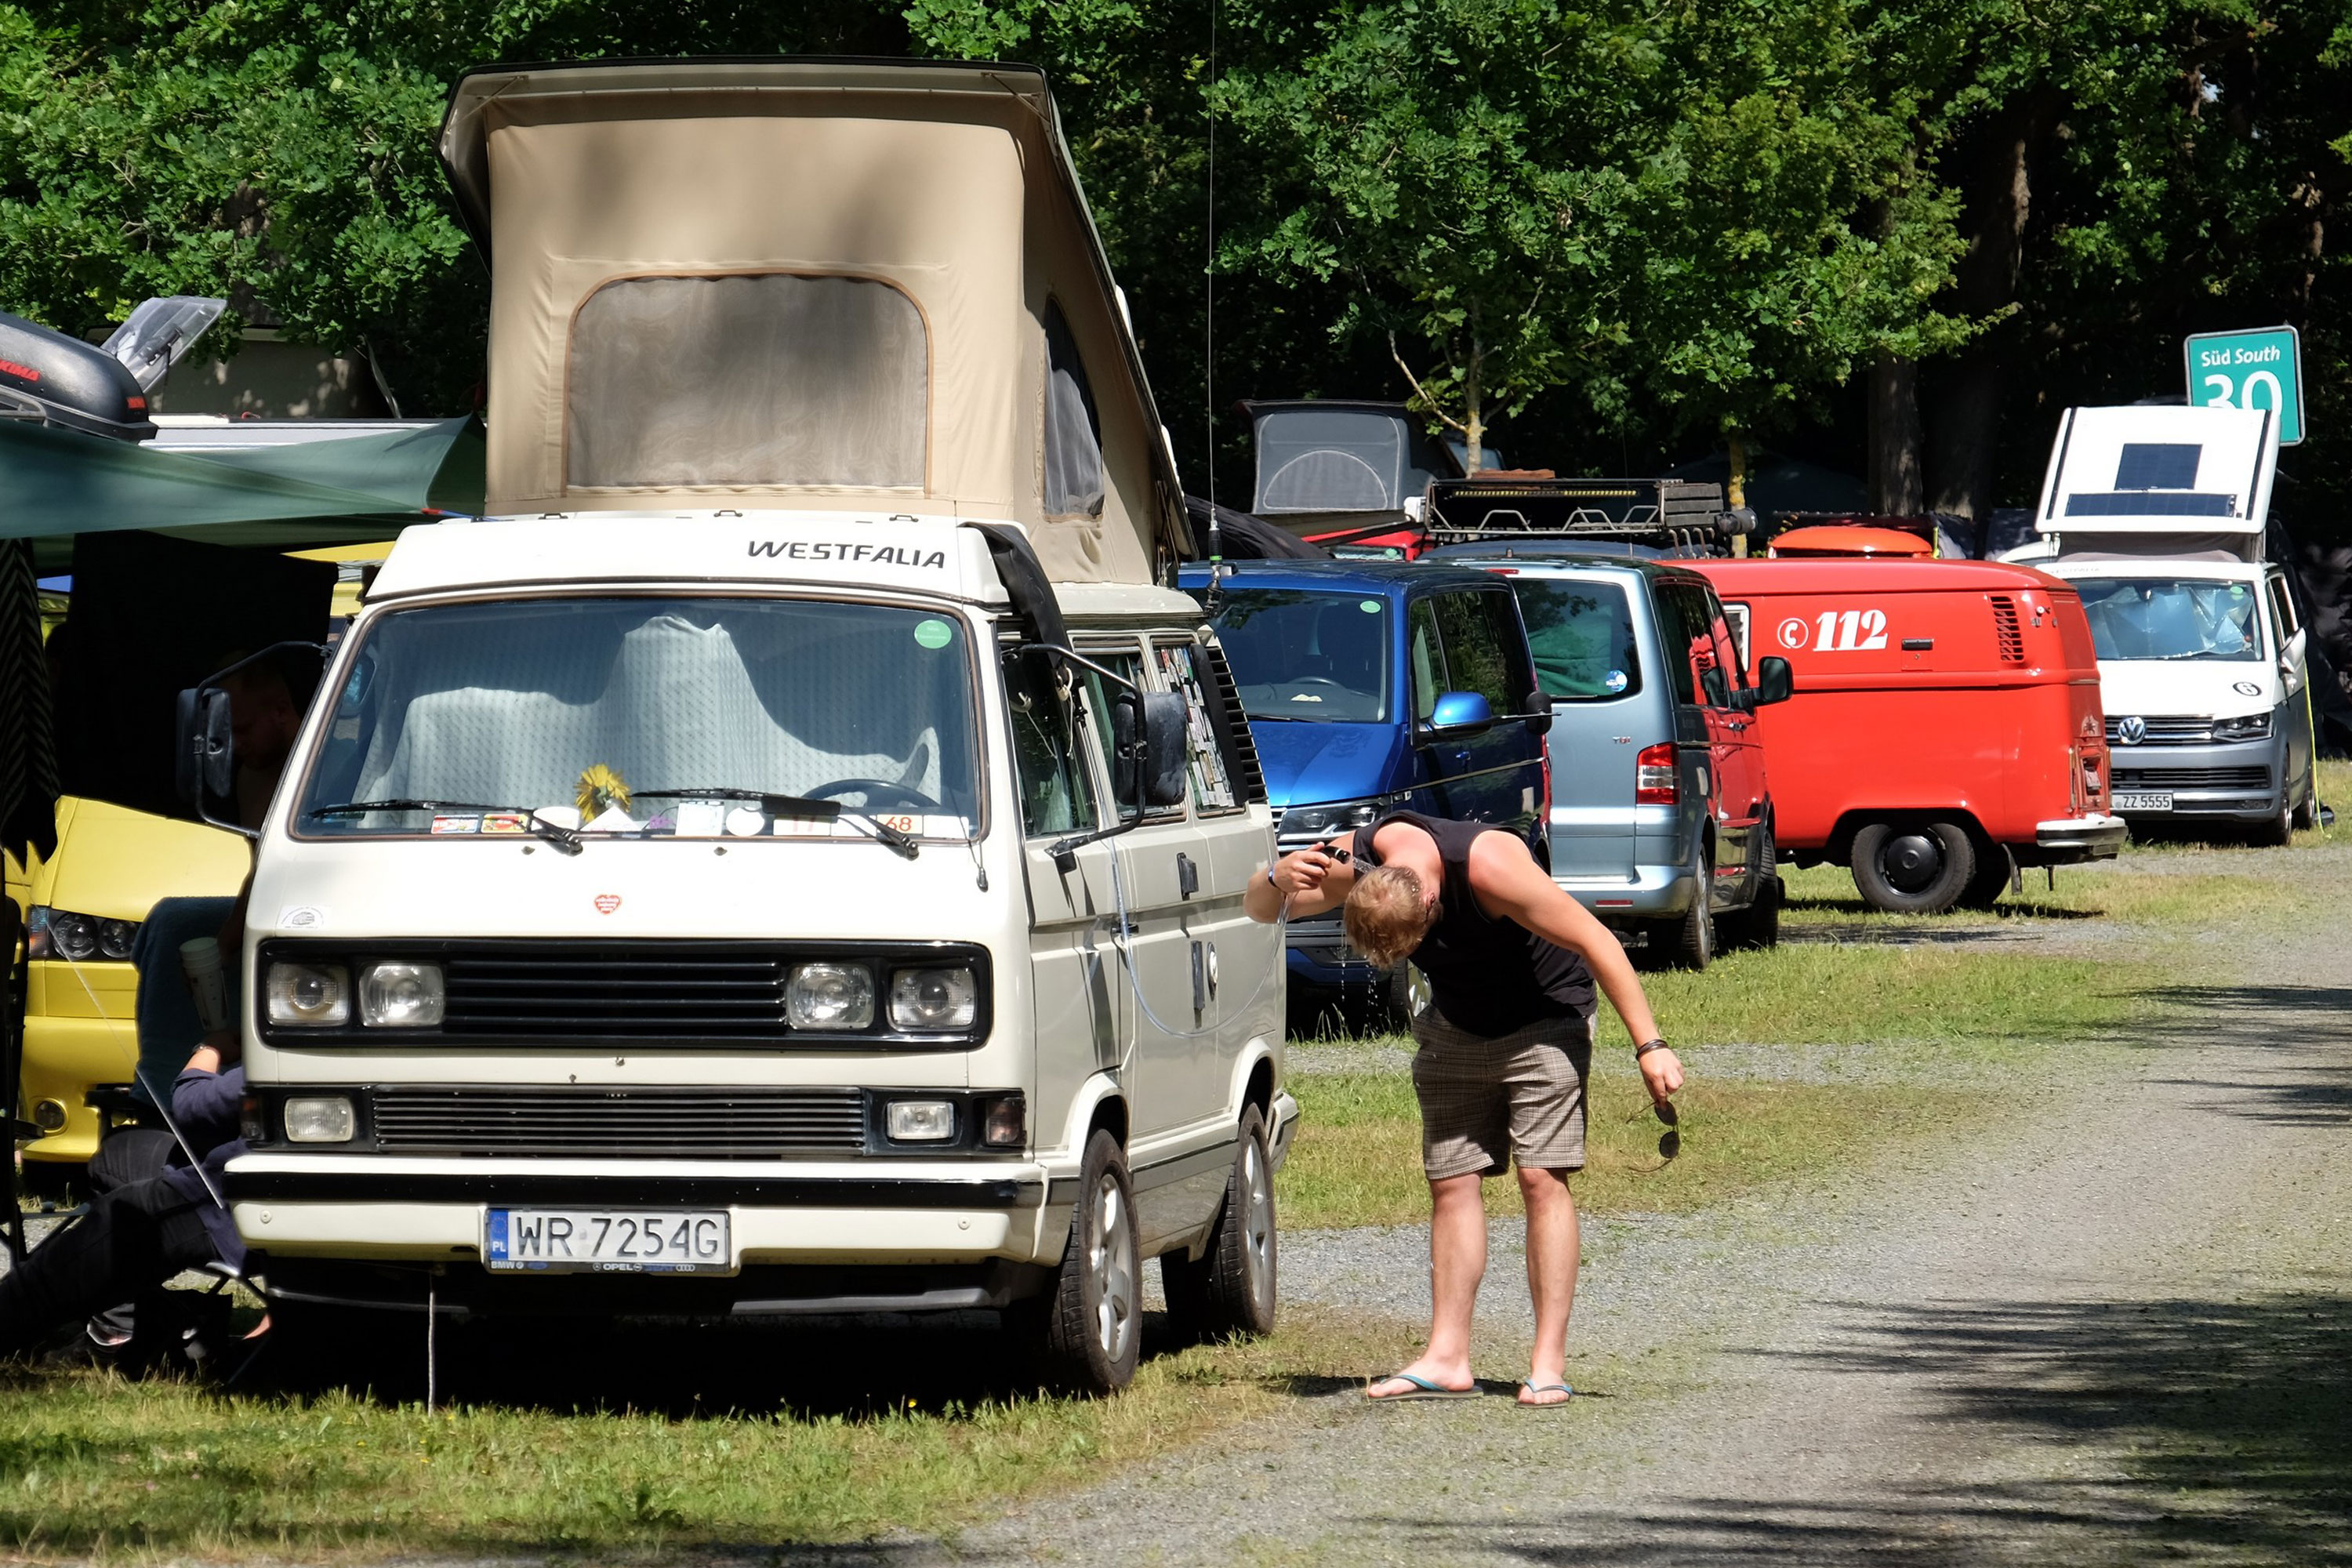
(2294, 1044)
(2174, 1427)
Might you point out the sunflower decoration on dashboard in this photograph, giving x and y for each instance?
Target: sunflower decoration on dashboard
(601, 790)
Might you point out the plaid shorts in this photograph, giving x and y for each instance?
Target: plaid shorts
(1485, 1101)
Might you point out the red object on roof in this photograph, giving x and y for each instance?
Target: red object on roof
(1846, 540)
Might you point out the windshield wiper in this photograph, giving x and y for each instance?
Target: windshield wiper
(564, 839)
(800, 805)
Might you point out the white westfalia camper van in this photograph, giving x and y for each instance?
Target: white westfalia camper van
(2158, 516)
(791, 860)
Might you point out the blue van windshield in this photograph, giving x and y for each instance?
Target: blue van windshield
(1581, 635)
(1321, 657)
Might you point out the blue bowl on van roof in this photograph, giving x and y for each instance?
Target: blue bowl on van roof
(1341, 665)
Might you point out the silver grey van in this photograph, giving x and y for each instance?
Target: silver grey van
(1661, 812)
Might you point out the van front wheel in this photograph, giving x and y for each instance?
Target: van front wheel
(1089, 1326)
(1913, 869)
(1230, 1289)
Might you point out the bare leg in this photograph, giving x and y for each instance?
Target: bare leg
(1551, 1275)
(1457, 1258)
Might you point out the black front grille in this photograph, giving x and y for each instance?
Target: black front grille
(749, 1124)
(2166, 731)
(2191, 778)
(616, 993)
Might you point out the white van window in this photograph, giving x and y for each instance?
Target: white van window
(1213, 788)
(1056, 798)
(1581, 634)
(684, 704)
(2283, 608)
(1073, 461)
(758, 379)
(1310, 656)
(1100, 693)
(2171, 618)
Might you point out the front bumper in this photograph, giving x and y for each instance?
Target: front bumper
(2234, 781)
(2067, 840)
(433, 1210)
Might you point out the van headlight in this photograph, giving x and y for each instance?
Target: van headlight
(927, 1000)
(321, 1119)
(830, 996)
(309, 995)
(2253, 727)
(1322, 821)
(62, 933)
(397, 994)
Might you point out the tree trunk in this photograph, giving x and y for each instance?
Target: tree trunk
(1896, 488)
(1474, 424)
(1970, 394)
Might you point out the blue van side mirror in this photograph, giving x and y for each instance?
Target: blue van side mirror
(1461, 711)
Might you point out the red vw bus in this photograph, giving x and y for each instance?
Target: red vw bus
(1946, 724)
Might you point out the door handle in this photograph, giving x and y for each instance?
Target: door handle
(1188, 875)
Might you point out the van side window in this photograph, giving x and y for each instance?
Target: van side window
(1212, 785)
(2283, 609)
(1429, 676)
(1056, 796)
(1730, 653)
(1100, 693)
(1074, 463)
(1682, 635)
(1479, 658)
(1736, 617)
(1581, 634)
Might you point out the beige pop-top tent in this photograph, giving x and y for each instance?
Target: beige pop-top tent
(825, 284)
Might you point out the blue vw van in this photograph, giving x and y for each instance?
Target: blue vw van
(1374, 686)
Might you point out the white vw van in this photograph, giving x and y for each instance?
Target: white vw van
(791, 862)
(2157, 515)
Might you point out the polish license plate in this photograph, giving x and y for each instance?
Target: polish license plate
(2134, 801)
(608, 1241)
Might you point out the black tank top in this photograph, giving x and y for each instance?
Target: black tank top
(1488, 976)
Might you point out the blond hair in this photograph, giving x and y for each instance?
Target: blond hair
(1386, 915)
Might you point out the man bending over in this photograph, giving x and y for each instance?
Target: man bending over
(1505, 1048)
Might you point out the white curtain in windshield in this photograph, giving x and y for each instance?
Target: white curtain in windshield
(770, 379)
(505, 705)
(2168, 617)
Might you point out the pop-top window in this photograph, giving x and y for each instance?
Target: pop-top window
(762, 379)
(1074, 462)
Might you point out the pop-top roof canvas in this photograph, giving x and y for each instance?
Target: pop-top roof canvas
(806, 284)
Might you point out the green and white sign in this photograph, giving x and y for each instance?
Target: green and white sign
(2257, 369)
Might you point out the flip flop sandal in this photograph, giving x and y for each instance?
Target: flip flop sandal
(1422, 1389)
(1534, 1387)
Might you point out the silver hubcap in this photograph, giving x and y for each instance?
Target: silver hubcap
(1110, 1268)
(1257, 1221)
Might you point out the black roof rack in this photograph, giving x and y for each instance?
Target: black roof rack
(1678, 516)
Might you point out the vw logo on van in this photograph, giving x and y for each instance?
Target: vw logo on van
(2131, 732)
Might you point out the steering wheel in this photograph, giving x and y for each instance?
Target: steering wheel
(901, 794)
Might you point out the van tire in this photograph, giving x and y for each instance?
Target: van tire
(2307, 814)
(1690, 943)
(1758, 925)
(2276, 832)
(1993, 875)
(1883, 851)
(1230, 1291)
(1087, 1330)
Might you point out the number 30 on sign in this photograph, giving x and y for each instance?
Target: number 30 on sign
(1837, 631)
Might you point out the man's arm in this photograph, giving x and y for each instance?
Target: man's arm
(1507, 881)
(1313, 881)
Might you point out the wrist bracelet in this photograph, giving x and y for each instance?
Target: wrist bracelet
(1270, 881)
(1646, 1047)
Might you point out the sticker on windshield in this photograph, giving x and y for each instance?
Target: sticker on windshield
(1370, 607)
(700, 818)
(506, 822)
(456, 825)
(745, 822)
(933, 633)
(1615, 680)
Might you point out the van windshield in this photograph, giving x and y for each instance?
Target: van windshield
(1581, 634)
(2172, 617)
(1315, 655)
(650, 716)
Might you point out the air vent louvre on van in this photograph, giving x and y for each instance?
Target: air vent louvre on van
(2006, 630)
(1234, 730)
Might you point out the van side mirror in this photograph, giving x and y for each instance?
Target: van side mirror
(1538, 708)
(1774, 681)
(1461, 712)
(206, 767)
(1147, 732)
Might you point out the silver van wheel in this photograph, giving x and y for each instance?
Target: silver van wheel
(1231, 1288)
(1110, 1268)
(1087, 1328)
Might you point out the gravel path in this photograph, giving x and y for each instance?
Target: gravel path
(2116, 1331)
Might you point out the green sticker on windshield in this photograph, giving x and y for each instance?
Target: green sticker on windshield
(934, 634)
(1370, 607)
